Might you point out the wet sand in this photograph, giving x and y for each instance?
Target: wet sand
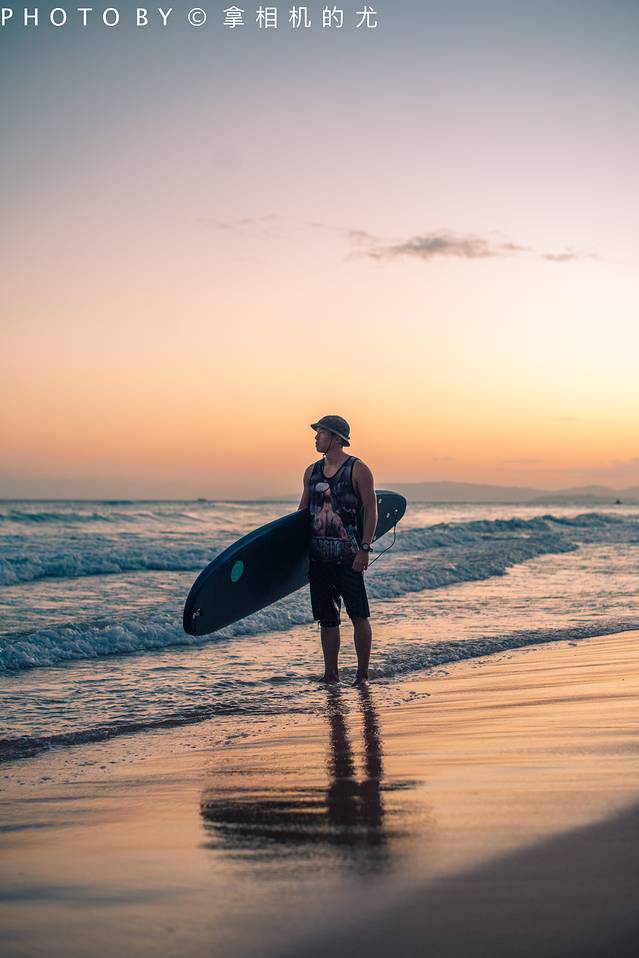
(495, 813)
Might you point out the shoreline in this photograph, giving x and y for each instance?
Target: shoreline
(500, 774)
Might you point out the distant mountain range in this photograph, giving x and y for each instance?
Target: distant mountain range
(476, 492)
(473, 492)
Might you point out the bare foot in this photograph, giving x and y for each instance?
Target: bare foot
(361, 679)
(329, 677)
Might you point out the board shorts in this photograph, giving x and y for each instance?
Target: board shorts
(330, 583)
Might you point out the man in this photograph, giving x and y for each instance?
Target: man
(340, 493)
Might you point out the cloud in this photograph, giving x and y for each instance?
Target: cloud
(445, 243)
(356, 236)
(362, 238)
(559, 257)
(567, 256)
(525, 462)
(422, 246)
(239, 223)
(427, 246)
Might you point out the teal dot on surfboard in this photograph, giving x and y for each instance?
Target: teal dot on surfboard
(237, 570)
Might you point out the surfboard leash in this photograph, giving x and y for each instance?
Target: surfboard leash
(387, 547)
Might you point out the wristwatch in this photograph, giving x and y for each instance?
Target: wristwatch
(366, 546)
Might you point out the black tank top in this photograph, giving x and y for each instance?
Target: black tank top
(336, 513)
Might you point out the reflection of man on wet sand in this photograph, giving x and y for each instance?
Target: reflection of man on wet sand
(345, 812)
(349, 802)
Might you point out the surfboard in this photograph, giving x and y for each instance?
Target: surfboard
(263, 566)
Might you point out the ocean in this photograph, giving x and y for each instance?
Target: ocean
(91, 639)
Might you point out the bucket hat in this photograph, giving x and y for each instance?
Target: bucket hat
(334, 424)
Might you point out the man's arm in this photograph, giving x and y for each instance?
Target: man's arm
(365, 486)
(305, 501)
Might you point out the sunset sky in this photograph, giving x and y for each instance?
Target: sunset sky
(212, 237)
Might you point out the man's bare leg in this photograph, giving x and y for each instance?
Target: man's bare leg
(330, 648)
(363, 636)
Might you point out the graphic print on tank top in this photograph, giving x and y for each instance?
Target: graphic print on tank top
(335, 513)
